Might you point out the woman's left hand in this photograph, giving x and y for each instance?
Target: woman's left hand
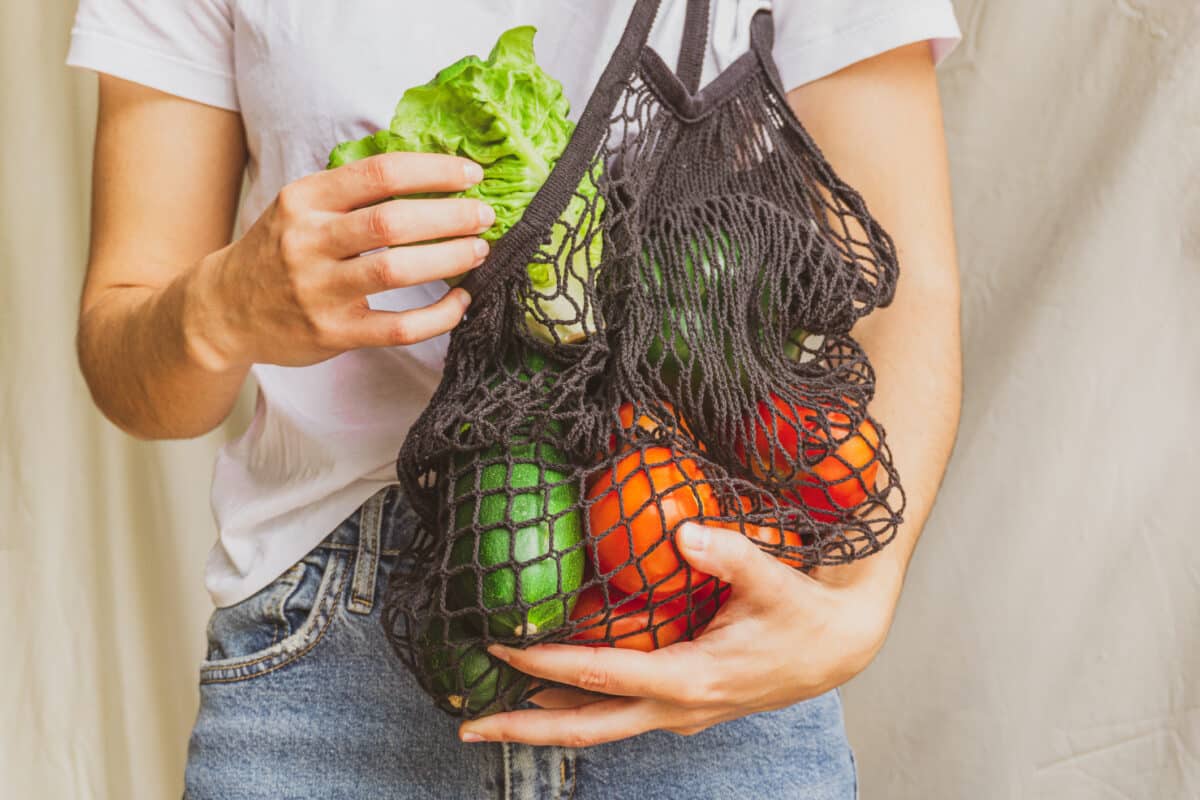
(782, 637)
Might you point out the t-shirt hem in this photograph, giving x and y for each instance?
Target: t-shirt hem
(906, 23)
(132, 62)
(227, 586)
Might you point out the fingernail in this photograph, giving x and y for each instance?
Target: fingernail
(462, 296)
(693, 536)
(487, 215)
(472, 172)
(481, 248)
(501, 652)
(469, 737)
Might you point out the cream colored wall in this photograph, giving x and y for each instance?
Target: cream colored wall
(1048, 645)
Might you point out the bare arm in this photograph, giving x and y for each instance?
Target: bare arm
(786, 636)
(173, 315)
(879, 123)
(164, 191)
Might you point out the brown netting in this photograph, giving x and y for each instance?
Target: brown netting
(710, 266)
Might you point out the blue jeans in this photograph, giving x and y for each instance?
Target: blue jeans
(301, 697)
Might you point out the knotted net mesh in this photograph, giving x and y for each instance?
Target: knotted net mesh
(664, 336)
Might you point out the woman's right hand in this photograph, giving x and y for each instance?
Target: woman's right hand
(292, 290)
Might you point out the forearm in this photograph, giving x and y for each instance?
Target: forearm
(914, 348)
(139, 354)
(914, 344)
(165, 346)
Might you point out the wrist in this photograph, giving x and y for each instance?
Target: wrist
(211, 338)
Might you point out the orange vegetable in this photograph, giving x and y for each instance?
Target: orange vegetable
(633, 625)
(636, 507)
(839, 481)
(646, 423)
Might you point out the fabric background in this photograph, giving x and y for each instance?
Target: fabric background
(1048, 644)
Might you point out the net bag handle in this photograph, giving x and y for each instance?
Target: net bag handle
(762, 39)
(694, 44)
(548, 204)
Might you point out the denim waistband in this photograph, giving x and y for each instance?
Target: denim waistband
(386, 517)
(382, 527)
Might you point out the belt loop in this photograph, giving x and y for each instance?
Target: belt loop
(366, 562)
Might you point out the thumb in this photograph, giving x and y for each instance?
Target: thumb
(730, 556)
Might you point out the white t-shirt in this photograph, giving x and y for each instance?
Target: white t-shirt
(308, 75)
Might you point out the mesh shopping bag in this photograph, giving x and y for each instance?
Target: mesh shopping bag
(663, 335)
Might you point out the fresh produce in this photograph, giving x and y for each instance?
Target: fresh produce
(529, 552)
(802, 346)
(684, 325)
(466, 680)
(630, 625)
(840, 481)
(635, 508)
(670, 352)
(646, 424)
(635, 625)
(509, 116)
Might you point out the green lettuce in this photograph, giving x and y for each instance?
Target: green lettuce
(510, 117)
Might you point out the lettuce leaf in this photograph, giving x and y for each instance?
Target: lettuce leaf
(509, 116)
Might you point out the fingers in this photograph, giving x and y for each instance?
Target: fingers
(734, 558)
(597, 723)
(677, 674)
(395, 267)
(397, 328)
(565, 698)
(406, 222)
(370, 180)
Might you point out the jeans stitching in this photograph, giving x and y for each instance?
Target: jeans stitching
(280, 623)
(328, 598)
(504, 752)
(366, 562)
(353, 548)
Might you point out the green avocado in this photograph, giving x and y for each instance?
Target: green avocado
(464, 679)
(519, 528)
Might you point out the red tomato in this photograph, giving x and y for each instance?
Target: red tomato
(634, 626)
(847, 474)
(637, 505)
(631, 625)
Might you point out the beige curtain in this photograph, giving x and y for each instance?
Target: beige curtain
(102, 538)
(1048, 645)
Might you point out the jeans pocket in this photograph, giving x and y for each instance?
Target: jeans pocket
(278, 624)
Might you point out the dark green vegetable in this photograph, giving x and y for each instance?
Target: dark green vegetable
(529, 554)
(670, 351)
(465, 679)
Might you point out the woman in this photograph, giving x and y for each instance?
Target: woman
(300, 695)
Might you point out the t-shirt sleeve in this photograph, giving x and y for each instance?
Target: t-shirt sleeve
(184, 48)
(814, 38)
